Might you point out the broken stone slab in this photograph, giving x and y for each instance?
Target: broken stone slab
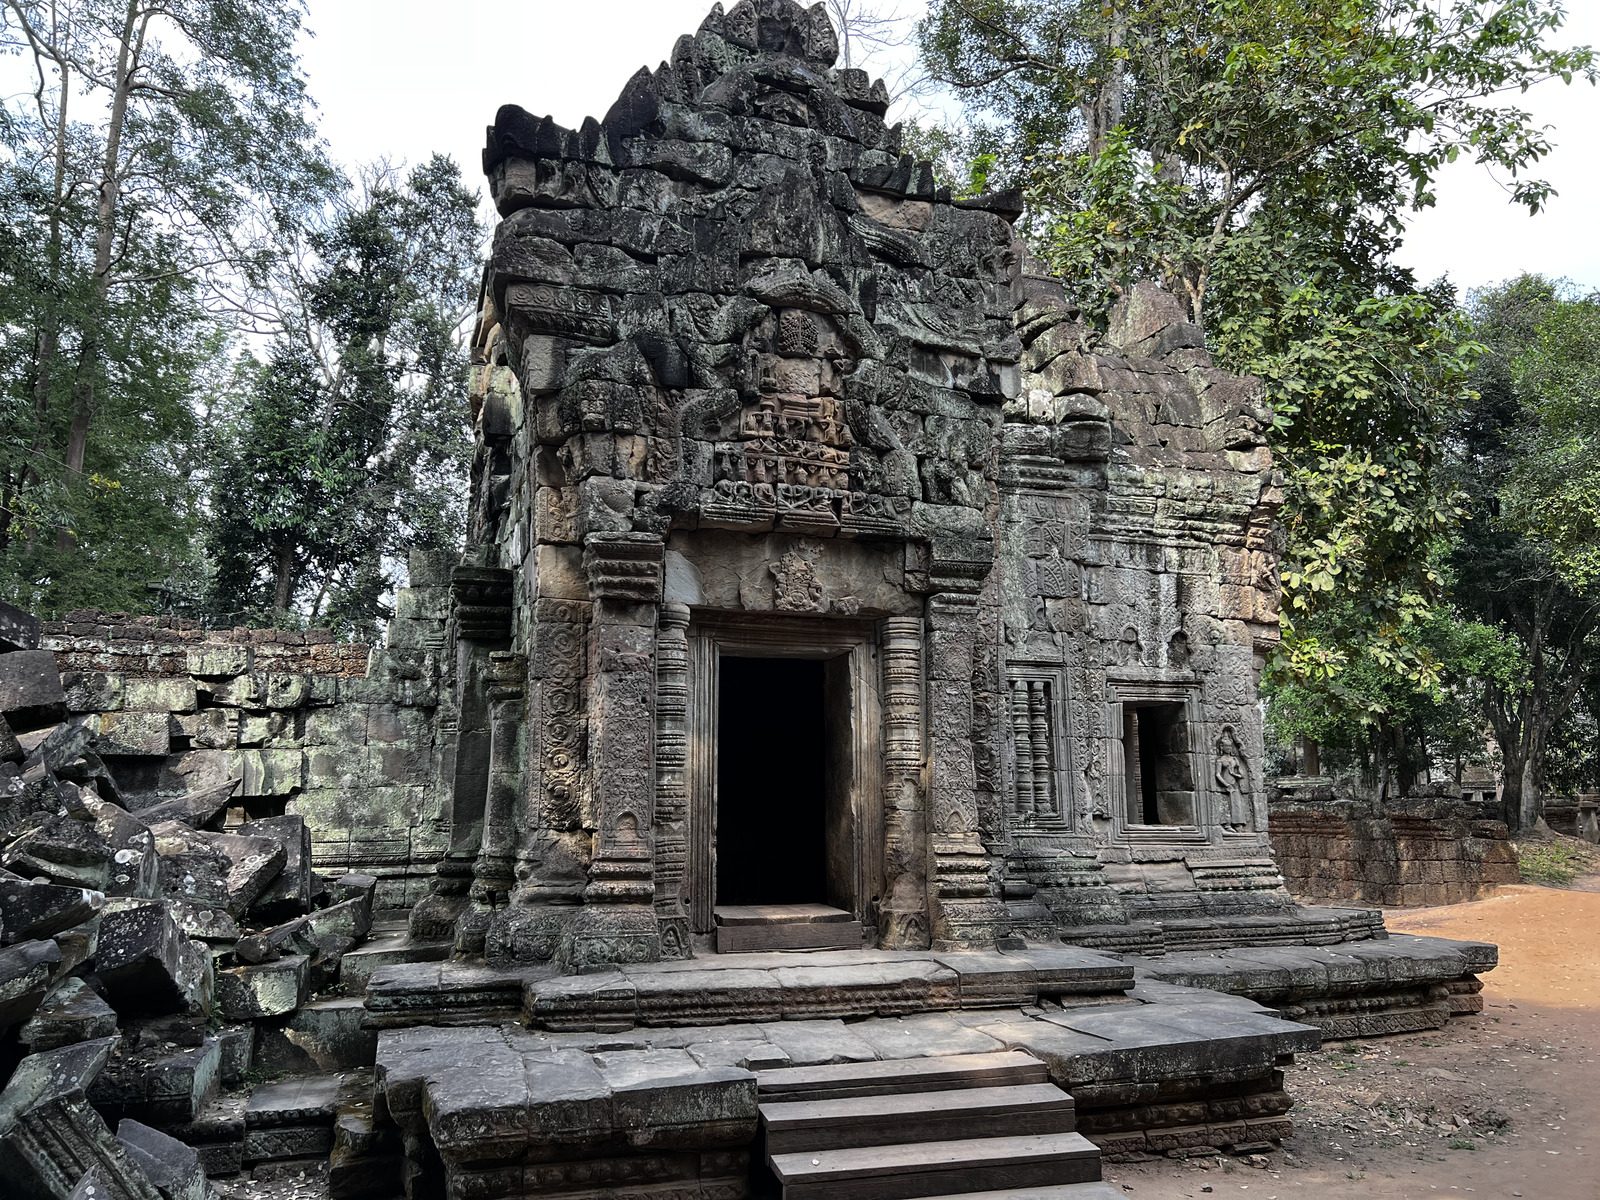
(71, 1013)
(221, 869)
(30, 690)
(196, 810)
(169, 1164)
(147, 965)
(207, 924)
(217, 1134)
(39, 910)
(289, 894)
(26, 970)
(157, 1084)
(272, 989)
(51, 1137)
(356, 885)
(332, 1033)
(238, 1044)
(19, 630)
(10, 749)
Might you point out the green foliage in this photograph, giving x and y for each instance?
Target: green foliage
(348, 444)
(1552, 863)
(1257, 157)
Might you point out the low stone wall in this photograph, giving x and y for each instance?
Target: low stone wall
(341, 734)
(1406, 853)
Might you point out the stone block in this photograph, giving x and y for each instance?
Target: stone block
(51, 1137)
(290, 892)
(25, 973)
(278, 772)
(273, 989)
(169, 1164)
(19, 630)
(113, 853)
(291, 1119)
(196, 809)
(220, 661)
(31, 696)
(331, 1034)
(159, 1085)
(11, 750)
(147, 966)
(134, 734)
(218, 869)
(159, 695)
(92, 691)
(71, 1013)
(39, 910)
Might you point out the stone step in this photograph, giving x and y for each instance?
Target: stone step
(1066, 1191)
(884, 1120)
(743, 928)
(386, 949)
(921, 1169)
(898, 1077)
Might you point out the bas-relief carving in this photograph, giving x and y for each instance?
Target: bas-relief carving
(769, 369)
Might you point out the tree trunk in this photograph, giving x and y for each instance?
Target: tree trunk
(83, 392)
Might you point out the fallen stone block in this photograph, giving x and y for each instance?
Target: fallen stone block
(238, 1051)
(25, 973)
(71, 1013)
(332, 1035)
(355, 886)
(196, 810)
(367, 1161)
(51, 1137)
(10, 748)
(110, 851)
(289, 894)
(147, 966)
(78, 946)
(273, 989)
(206, 924)
(19, 630)
(40, 910)
(216, 1134)
(30, 690)
(169, 1164)
(243, 866)
(159, 1086)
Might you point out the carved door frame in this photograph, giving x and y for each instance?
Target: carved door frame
(714, 634)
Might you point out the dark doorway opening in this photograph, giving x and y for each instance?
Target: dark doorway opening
(1155, 752)
(772, 782)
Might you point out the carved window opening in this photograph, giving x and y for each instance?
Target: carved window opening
(1158, 768)
(1041, 795)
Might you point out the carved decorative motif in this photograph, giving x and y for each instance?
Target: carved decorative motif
(796, 586)
(903, 919)
(672, 783)
(481, 600)
(1232, 775)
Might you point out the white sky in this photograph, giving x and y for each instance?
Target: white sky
(394, 80)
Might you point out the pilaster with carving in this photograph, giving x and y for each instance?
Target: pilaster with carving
(672, 781)
(903, 914)
(618, 923)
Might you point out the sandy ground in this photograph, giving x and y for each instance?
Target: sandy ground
(1506, 1104)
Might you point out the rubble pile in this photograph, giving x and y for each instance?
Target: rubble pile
(155, 961)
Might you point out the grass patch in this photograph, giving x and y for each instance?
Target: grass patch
(1554, 864)
(1462, 1144)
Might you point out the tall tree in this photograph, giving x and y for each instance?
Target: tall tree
(163, 141)
(347, 444)
(1525, 561)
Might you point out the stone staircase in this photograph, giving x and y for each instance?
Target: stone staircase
(989, 1125)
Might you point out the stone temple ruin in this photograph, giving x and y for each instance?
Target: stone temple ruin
(833, 770)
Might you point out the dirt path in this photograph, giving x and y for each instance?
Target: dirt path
(1379, 1118)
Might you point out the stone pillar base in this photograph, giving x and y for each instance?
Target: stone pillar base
(528, 933)
(604, 935)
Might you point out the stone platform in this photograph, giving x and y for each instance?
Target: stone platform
(1396, 984)
(488, 1111)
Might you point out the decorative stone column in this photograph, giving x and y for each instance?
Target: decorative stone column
(903, 913)
(618, 922)
(965, 908)
(482, 616)
(494, 874)
(672, 780)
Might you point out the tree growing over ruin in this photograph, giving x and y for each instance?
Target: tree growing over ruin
(346, 443)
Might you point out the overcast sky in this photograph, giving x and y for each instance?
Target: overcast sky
(395, 81)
